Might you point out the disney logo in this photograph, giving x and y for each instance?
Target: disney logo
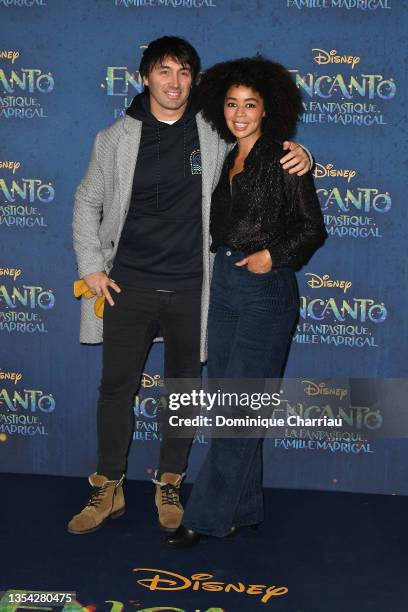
(10, 165)
(312, 388)
(14, 376)
(11, 55)
(149, 381)
(331, 57)
(13, 272)
(317, 282)
(162, 580)
(321, 171)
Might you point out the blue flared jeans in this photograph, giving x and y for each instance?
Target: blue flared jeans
(251, 321)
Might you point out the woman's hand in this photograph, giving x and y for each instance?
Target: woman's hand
(98, 282)
(258, 263)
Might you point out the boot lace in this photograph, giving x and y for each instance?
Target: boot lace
(98, 492)
(170, 495)
(96, 496)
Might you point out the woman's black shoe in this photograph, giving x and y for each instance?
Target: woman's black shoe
(184, 538)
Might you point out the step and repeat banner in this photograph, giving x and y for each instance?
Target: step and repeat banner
(69, 69)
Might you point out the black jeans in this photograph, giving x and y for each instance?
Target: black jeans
(129, 328)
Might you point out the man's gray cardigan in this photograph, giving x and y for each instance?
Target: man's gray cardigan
(102, 201)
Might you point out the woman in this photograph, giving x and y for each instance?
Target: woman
(265, 224)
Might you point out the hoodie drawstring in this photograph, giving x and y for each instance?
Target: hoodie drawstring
(158, 167)
(184, 148)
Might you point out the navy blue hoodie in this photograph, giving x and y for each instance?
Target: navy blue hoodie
(161, 242)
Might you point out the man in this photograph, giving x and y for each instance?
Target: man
(141, 218)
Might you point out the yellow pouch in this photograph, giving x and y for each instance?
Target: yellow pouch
(81, 289)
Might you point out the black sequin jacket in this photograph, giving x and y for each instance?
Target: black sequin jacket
(268, 209)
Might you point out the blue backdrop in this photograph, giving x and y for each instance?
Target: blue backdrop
(69, 69)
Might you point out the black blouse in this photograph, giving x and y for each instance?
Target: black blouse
(267, 209)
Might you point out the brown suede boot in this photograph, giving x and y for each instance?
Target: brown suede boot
(106, 501)
(168, 501)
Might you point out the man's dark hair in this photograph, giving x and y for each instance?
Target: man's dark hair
(170, 46)
(281, 97)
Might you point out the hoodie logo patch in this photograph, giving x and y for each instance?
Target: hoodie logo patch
(195, 162)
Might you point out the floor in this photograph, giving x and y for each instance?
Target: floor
(320, 551)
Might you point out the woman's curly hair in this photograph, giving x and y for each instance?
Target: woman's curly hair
(281, 97)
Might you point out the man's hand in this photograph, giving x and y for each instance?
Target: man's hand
(297, 160)
(98, 282)
(258, 263)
